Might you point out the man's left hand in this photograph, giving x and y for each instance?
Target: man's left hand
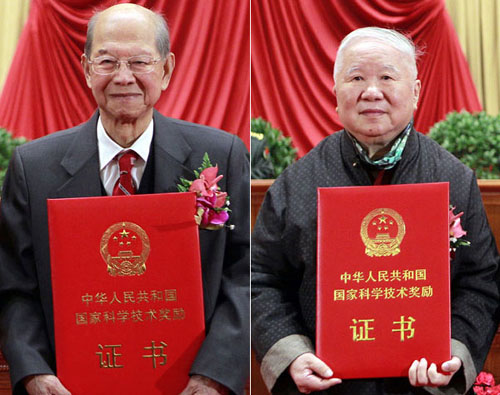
(422, 375)
(201, 385)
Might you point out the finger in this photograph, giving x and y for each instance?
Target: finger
(320, 368)
(60, 389)
(412, 373)
(311, 374)
(314, 383)
(324, 384)
(452, 366)
(436, 379)
(63, 391)
(422, 372)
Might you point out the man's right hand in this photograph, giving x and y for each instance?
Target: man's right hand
(44, 384)
(311, 374)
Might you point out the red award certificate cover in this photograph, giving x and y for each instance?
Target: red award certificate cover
(127, 291)
(383, 283)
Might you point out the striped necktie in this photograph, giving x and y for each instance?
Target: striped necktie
(125, 184)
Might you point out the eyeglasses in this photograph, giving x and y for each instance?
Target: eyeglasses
(136, 64)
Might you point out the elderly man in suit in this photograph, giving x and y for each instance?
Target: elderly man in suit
(127, 64)
(377, 92)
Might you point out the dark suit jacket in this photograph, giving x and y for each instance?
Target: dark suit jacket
(66, 164)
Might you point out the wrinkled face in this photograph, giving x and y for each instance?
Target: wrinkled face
(376, 91)
(125, 96)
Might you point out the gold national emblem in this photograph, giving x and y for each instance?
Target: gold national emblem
(125, 249)
(382, 231)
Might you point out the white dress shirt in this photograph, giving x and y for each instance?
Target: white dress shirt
(108, 149)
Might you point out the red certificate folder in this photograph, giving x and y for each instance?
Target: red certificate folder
(127, 291)
(383, 283)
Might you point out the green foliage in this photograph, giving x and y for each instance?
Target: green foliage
(271, 153)
(472, 138)
(186, 184)
(262, 167)
(7, 145)
(205, 164)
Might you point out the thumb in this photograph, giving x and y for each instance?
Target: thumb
(452, 365)
(59, 388)
(320, 368)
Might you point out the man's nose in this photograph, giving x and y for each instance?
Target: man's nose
(372, 92)
(123, 75)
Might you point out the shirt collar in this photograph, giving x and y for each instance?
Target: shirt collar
(108, 149)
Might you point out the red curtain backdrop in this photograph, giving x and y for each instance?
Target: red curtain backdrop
(294, 44)
(46, 91)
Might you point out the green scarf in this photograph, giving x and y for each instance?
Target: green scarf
(389, 160)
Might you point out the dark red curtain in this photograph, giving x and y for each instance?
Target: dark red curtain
(46, 91)
(294, 44)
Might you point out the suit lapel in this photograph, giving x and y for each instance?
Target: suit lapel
(171, 152)
(81, 162)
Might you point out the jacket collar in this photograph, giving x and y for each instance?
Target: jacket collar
(82, 163)
(171, 151)
(354, 168)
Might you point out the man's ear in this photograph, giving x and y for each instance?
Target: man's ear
(86, 69)
(168, 69)
(334, 91)
(416, 93)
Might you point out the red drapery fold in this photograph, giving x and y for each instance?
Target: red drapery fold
(46, 90)
(294, 45)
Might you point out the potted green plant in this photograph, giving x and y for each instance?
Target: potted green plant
(472, 138)
(271, 152)
(7, 146)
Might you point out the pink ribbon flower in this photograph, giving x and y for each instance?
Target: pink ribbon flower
(212, 211)
(456, 232)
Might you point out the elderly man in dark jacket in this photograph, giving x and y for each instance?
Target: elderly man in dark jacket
(127, 64)
(377, 92)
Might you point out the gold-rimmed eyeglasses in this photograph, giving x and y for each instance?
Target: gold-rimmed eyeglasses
(136, 64)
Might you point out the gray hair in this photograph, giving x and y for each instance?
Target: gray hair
(162, 34)
(387, 36)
